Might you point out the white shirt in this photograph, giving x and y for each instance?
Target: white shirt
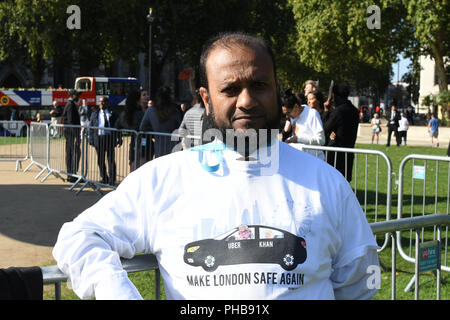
(101, 121)
(187, 216)
(309, 130)
(403, 124)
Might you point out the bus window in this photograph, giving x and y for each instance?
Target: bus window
(123, 88)
(102, 88)
(117, 88)
(83, 85)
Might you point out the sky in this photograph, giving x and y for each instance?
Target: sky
(404, 63)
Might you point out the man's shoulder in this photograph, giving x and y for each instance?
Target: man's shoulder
(307, 169)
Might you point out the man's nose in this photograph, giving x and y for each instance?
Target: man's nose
(246, 99)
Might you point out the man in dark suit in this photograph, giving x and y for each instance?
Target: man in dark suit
(104, 141)
(71, 118)
(393, 127)
(342, 129)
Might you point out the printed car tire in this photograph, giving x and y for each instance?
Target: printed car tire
(288, 262)
(210, 263)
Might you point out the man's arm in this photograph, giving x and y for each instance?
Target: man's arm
(332, 123)
(89, 248)
(356, 272)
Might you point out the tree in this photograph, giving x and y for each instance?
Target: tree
(333, 38)
(431, 29)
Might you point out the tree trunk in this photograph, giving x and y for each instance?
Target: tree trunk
(439, 61)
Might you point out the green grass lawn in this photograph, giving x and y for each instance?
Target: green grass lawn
(420, 197)
(12, 140)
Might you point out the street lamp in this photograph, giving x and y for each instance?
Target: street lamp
(150, 19)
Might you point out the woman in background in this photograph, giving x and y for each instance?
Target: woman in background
(164, 116)
(131, 118)
(305, 124)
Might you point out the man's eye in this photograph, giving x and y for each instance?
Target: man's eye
(259, 85)
(230, 90)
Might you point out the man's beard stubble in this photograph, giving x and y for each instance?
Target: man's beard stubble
(233, 138)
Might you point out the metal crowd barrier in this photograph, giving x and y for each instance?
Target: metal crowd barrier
(376, 202)
(38, 146)
(107, 156)
(13, 147)
(426, 179)
(151, 145)
(394, 228)
(98, 161)
(145, 262)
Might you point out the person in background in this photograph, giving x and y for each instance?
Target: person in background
(83, 110)
(163, 117)
(403, 126)
(38, 117)
(310, 85)
(393, 126)
(55, 118)
(130, 119)
(305, 124)
(342, 128)
(376, 128)
(316, 101)
(433, 130)
(192, 122)
(104, 141)
(144, 100)
(71, 117)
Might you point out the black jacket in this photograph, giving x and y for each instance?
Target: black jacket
(70, 114)
(393, 121)
(343, 121)
(93, 133)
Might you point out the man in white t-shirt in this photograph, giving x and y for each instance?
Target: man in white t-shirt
(403, 126)
(229, 220)
(304, 123)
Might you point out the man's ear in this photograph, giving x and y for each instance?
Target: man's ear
(205, 97)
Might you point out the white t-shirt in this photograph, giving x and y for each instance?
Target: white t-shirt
(403, 124)
(250, 230)
(309, 130)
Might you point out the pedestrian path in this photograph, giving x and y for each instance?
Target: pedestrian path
(416, 136)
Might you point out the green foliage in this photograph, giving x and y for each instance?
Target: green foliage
(314, 39)
(431, 30)
(333, 38)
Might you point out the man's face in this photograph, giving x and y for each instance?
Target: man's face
(308, 88)
(242, 89)
(103, 103)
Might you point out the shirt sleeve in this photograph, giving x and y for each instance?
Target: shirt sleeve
(89, 248)
(318, 136)
(356, 273)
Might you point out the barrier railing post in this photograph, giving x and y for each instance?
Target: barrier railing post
(394, 269)
(58, 291)
(417, 269)
(157, 284)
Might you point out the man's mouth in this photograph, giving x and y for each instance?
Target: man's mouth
(247, 118)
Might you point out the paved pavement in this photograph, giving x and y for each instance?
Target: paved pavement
(416, 136)
(32, 213)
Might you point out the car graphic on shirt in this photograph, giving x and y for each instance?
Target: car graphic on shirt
(247, 244)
